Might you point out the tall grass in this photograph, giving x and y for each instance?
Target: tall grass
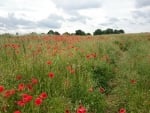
(98, 74)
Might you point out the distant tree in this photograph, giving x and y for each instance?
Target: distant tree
(42, 33)
(98, 32)
(17, 33)
(88, 33)
(66, 34)
(33, 33)
(79, 32)
(72, 34)
(50, 32)
(121, 31)
(6, 35)
(56, 33)
(104, 32)
(116, 31)
(109, 31)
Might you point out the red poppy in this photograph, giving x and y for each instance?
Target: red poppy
(29, 87)
(38, 101)
(72, 71)
(9, 93)
(101, 89)
(49, 62)
(88, 56)
(18, 77)
(21, 87)
(81, 109)
(20, 103)
(67, 111)
(43, 95)
(1, 89)
(122, 110)
(94, 55)
(34, 81)
(133, 81)
(26, 98)
(51, 74)
(17, 111)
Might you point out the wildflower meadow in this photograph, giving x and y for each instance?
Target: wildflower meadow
(75, 74)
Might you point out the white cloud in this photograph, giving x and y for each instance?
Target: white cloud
(53, 21)
(69, 15)
(77, 4)
(142, 3)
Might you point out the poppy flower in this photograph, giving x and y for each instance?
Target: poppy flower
(51, 74)
(81, 109)
(133, 81)
(21, 87)
(72, 71)
(122, 110)
(1, 89)
(101, 89)
(88, 56)
(49, 62)
(26, 98)
(34, 81)
(67, 111)
(94, 55)
(17, 111)
(38, 101)
(20, 103)
(18, 77)
(29, 86)
(9, 93)
(43, 95)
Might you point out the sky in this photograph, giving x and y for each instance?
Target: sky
(26, 16)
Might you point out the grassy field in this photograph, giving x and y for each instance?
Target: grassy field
(74, 74)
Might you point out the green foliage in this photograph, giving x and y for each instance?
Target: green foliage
(108, 31)
(51, 32)
(79, 32)
(6, 35)
(103, 74)
(88, 34)
(66, 34)
(98, 32)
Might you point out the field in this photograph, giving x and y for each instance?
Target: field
(75, 74)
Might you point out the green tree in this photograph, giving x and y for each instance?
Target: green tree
(79, 32)
(56, 33)
(121, 31)
(116, 31)
(109, 31)
(98, 32)
(66, 34)
(88, 33)
(50, 32)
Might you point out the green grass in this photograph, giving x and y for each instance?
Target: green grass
(102, 73)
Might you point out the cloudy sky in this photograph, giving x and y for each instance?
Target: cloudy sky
(26, 16)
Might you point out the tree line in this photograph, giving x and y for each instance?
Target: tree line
(96, 32)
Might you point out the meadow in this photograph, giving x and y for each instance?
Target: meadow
(75, 74)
